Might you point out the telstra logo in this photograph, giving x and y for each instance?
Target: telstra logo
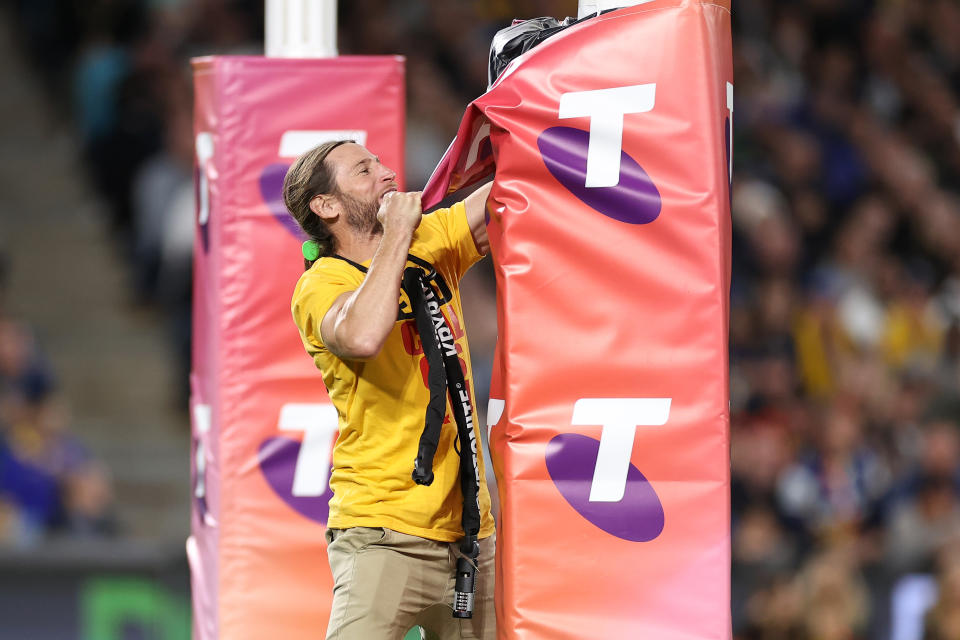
(299, 471)
(597, 478)
(271, 190)
(293, 144)
(592, 165)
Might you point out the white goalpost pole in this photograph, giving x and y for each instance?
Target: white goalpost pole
(301, 28)
(588, 7)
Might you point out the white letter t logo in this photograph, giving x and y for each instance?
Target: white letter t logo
(606, 108)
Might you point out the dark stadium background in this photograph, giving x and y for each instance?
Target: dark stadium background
(845, 317)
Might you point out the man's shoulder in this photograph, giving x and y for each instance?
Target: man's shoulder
(434, 230)
(442, 216)
(331, 268)
(328, 271)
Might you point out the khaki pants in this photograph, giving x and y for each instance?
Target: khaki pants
(385, 582)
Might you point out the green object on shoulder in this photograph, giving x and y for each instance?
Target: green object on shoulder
(311, 250)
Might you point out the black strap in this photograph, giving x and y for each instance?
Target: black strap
(439, 347)
(350, 262)
(445, 378)
(436, 376)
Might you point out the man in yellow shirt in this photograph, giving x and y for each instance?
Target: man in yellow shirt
(394, 543)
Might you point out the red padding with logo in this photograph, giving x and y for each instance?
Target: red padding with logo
(610, 232)
(263, 426)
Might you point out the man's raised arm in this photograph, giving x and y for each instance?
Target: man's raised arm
(358, 322)
(476, 205)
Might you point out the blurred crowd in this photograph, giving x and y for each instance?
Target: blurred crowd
(119, 72)
(845, 316)
(845, 321)
(50, 484)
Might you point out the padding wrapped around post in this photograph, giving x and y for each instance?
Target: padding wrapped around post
(609, 224)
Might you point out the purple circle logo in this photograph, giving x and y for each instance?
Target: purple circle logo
(638, 516)
(271, 190)
(278, 462)
(634, 199)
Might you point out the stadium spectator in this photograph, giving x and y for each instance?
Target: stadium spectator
(49, 483)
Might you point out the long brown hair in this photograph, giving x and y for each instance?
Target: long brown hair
(309, 176)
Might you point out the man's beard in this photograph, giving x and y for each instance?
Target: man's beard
(361, 216)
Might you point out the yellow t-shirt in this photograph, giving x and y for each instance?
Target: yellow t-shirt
(382, 401)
